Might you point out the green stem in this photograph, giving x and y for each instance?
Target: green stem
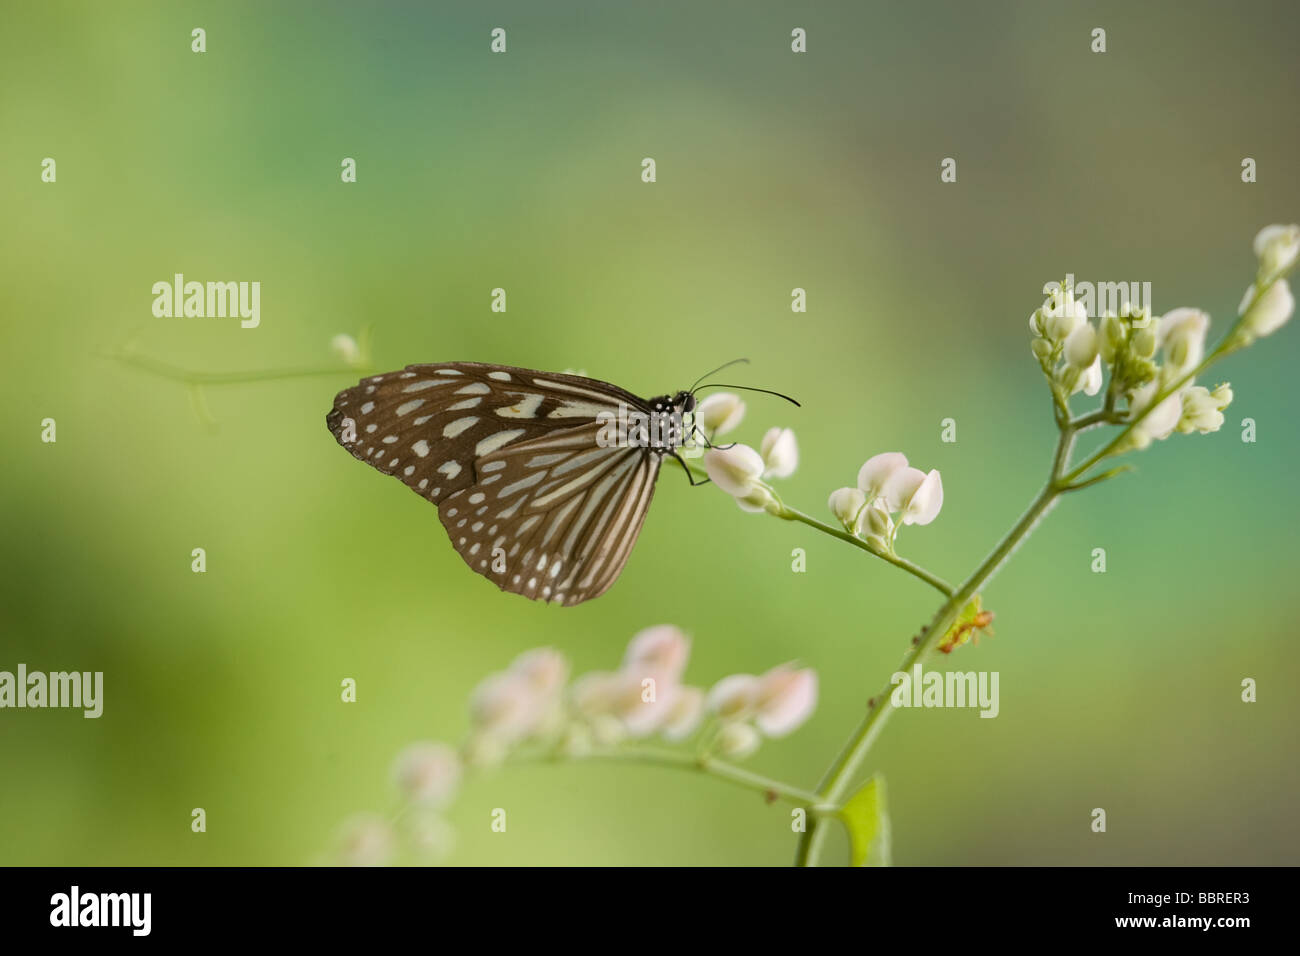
(793, 514)
(164, 370)
(936, 582)
(834, 787)
(663, 757)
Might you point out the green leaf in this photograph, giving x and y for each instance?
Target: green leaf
(866, 817)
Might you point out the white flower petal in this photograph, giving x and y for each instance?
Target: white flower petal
(878, 470)
(780, 453)
(735, 470)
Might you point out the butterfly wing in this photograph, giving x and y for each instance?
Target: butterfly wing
(553, 518)
(457, 430)
(427, 424)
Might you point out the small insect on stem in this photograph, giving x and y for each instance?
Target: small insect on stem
(967, 630)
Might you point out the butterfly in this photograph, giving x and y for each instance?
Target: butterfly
(542, 480)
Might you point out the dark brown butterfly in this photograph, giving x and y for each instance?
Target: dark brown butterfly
(542, 480)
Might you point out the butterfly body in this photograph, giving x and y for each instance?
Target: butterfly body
(542, 480)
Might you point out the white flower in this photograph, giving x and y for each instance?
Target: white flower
(544, 667)
(1160, 423)
(1090, 381)
(919, 495)
(1271, 312)
(1181, 333)
(1081, 348)
(346, 348)
(786, 698)
(847, 505)
(367, 840)
(1065, 318)
(1278, 248)
(719, 413)
(485, 751)
(431, 835)
(594, 694)
(877, 471)
(644, 703)
(734, 697)
(1202, 411)
(780, 453)
(737, 740)
(659, 652)
(506, 706)
(684, 714)
(736, 470)
(427, 773)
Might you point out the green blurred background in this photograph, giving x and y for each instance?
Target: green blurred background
(1118, 690)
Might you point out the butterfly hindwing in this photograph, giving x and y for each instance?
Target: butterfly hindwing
(553, 518)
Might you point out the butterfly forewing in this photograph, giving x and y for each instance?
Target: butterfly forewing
(529, 496)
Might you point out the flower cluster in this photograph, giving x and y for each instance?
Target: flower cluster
(1153, 361)
(532, 709)
(890, 493)
(740, 470)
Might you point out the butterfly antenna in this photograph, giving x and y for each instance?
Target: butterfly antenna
(750, 388)
(739, 361)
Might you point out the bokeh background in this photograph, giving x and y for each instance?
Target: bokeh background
(1118, 690)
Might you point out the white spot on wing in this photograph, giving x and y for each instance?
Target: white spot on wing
(421, 448)
(421, 386)
(407, 407)
(493, 442)
(458, 426)
(526, 407)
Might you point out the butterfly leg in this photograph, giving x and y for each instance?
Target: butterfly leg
(689, 476)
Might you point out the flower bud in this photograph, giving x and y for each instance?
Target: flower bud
(846, 505)
(734, 697)
(1223, 395)
(876, 521)
(1270, 312)
(719, 413)
(1081, 347)
(737, 741)
(685, 714)
(1182, 333)
(1278, 248)
(1042, 349)
(427, 773)
(366, 840)
(346, 348)
(1144, 343)
(1065, 320)
(1089, 381)
(780, 453)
